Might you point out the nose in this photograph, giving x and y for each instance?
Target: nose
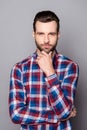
(46, 38)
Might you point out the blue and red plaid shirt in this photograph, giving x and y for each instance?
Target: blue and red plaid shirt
(38, 102)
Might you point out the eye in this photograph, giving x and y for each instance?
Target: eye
(52, 34)
(40, 33)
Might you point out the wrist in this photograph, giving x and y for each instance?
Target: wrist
(49, 73)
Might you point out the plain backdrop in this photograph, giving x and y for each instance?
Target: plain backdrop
(16, 43)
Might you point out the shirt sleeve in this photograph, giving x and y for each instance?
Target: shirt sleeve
(19, 110)
(62, 93)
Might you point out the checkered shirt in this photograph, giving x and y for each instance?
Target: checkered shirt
(38, 102)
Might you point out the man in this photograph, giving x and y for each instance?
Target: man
(42, 86)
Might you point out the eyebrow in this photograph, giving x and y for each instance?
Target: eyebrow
(48, 33)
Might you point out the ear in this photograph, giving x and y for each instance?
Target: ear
(58, 35)
(33, 34)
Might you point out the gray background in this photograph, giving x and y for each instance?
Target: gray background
(16, 43)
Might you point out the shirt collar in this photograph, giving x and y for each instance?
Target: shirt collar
(35, 54)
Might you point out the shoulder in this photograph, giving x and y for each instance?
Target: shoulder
(65, 61)
(23, 64)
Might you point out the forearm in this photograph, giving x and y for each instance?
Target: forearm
(61, 105)
(23, 115)
(61, 93)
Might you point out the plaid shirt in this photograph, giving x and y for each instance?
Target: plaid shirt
(38, 102)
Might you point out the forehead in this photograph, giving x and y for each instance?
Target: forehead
(48, 26)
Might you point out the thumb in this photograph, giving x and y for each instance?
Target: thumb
(50, 53)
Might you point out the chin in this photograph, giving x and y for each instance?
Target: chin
(47, 51)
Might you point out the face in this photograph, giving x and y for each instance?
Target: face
(46, 36)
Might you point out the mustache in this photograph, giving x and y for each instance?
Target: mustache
(46, 44)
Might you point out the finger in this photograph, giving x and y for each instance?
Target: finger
(37, 61)
(50, 53)
(44, 53)
(73, 113)
(74, 108)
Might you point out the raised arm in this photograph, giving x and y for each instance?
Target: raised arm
(62, 93)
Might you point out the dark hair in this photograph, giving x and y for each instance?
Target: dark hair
(46, 16)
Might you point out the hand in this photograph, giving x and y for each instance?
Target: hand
(44, 61)
(72, 114)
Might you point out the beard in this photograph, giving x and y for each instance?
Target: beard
(47, 50)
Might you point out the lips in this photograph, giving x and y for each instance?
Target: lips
(46, 46)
